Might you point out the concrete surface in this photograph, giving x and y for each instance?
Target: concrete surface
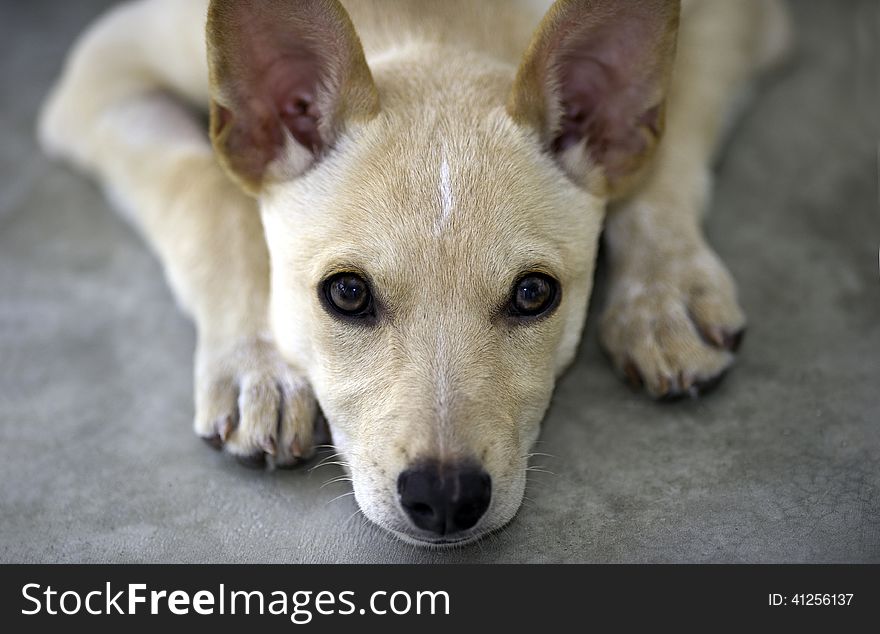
(98, 463)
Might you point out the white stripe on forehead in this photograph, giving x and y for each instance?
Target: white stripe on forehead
(442, 384)
(447, 196)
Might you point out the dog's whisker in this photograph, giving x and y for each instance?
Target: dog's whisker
(335, 462)
(325, 459)
(534, 467)
(539, 453)
(339, 497)
(480, 544)
(351, 517)
(336, 480)
(493, 535)
(540, 470)
(332, 454)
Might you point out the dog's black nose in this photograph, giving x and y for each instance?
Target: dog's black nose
(444, 498)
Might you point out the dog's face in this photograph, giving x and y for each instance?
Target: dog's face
(432, 282)
(431, 266)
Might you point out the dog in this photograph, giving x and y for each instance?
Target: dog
(394, 217)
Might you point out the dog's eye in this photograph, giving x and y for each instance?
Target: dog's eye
(533, 295)
(349, 294)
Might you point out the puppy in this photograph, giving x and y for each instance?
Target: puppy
(397, 210)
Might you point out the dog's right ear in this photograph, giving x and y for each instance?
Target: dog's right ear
(287, 76)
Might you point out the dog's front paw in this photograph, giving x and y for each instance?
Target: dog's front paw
(250, 403)
(674, 330)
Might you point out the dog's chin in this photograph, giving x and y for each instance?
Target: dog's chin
(416, 537)
(438, 543)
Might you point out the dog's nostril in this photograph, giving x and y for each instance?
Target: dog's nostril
(444, 499)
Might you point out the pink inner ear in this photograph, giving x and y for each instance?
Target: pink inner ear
(606, 76)
(289, 85)
(595, 108)
(583, 82)
(281, 60)
(279, 69)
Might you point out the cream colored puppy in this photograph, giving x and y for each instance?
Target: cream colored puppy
(398, 211)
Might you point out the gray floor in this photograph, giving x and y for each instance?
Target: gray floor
(98, 463)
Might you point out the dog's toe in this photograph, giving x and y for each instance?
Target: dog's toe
(674, 337)
(254, 407)
(714, 311)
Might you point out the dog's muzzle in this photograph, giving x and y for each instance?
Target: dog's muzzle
(444, 499)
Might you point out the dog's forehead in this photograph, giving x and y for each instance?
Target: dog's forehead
(463, 188)
(443, 198)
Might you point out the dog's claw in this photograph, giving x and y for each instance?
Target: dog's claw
(268, 445)
(733, 341)
(214, 441)
(225, 426)
(692, 389)
(295, 448)
(713, 335)
(255, 460)
(633, 375)
(685, 382)
(723, 339)
(707, 385)
(664, 385)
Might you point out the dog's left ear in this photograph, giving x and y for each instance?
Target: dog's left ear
(593, 85)
(287, 76)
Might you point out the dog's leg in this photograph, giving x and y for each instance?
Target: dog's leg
(672, 321)
(112, 113)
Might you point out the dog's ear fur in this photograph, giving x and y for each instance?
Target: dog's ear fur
(593, 85)
(286, 77)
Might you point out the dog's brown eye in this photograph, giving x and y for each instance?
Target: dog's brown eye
(533, 295)
(349, 294)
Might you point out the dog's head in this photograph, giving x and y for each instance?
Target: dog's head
(433, 223)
